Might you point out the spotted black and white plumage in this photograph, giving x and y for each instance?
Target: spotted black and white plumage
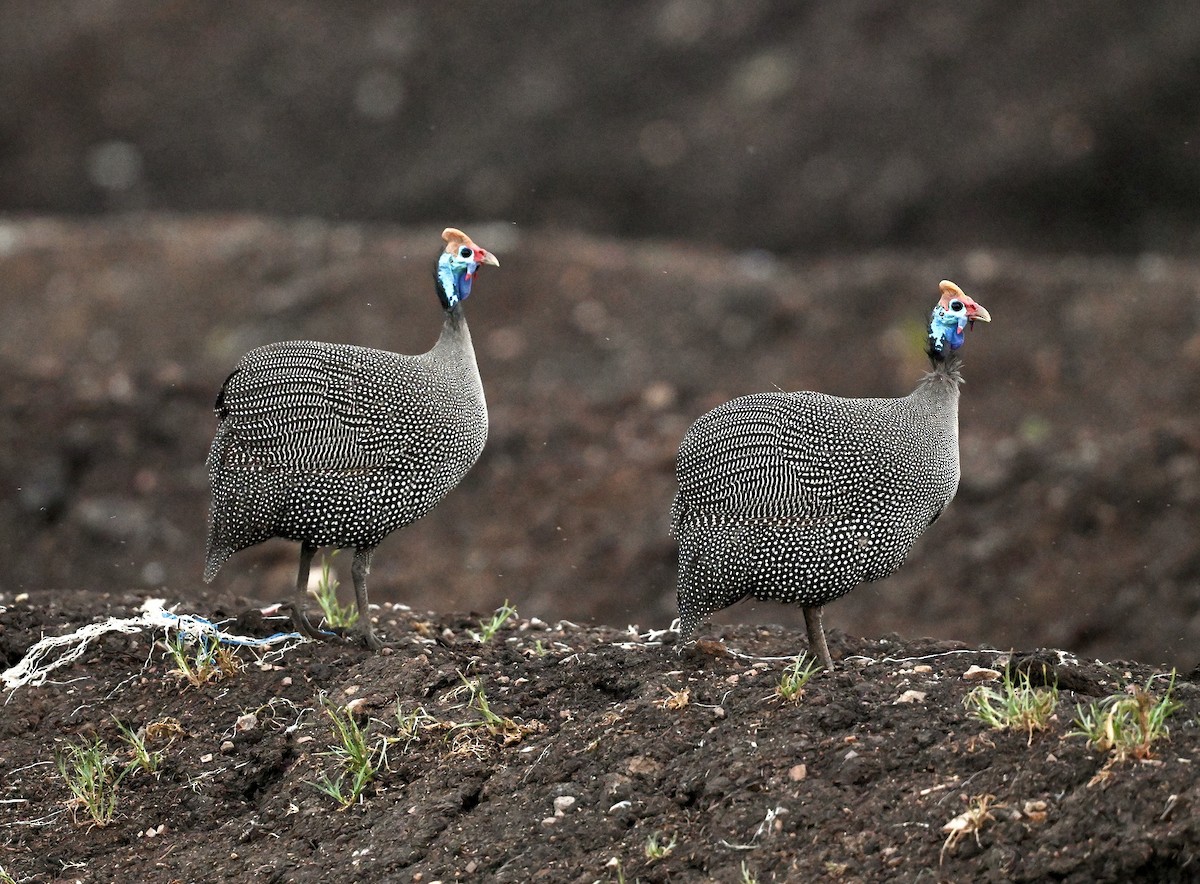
(800, 497)
(337, 445)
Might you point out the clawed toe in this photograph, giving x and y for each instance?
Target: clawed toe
(303, 625)
(370, 639)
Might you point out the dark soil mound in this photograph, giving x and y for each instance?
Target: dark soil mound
(608, 758)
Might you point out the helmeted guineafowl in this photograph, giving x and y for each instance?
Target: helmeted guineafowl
(337, 445)
(800, 497)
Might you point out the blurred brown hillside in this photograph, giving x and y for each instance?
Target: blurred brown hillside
(691, 200)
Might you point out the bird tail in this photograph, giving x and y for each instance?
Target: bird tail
(217, 552)
(711, 576)
(213, 562)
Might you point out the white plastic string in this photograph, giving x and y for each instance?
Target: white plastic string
(54, 652)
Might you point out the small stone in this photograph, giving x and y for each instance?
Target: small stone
(563, 803)
(205, 759)
(911, 697)
(286, 681)
(798, 772)
(549, 821)
(247, 722)
(923, 669)
(1035, 810)
(227, 747)
(719, 712)
(641, 765)
(981, 673)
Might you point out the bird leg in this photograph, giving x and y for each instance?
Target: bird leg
(300, 622)
(360, 570)
(816, 636)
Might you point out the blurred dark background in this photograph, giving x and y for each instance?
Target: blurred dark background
(691, 199)
(790, 126)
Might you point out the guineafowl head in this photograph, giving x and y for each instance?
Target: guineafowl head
(456, 267)
(950, 319)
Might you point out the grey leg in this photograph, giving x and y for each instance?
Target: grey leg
(360, 570)
(300, 622)
(307, 551)
(816, 637)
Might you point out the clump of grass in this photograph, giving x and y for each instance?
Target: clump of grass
(200, 659)
(336, 615)
(506, 729)
(163, 730)
(143, 756)
(488, 628)
(797, 675)
(356, 759)
(92, 774)
(5, 877)
(747, 877)
(410, 725)
(1127, 724)
(1016, 705)
(656, 849)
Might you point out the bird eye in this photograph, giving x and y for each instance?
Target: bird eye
(956, 305)
(465, 252)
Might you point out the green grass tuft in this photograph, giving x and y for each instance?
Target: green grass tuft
(656, 849)
(488, 628)
(1015, 705)
(1127, 724)
(795, 677)
(93, 776)
(336, 615)
(201, 659)
(357, 761)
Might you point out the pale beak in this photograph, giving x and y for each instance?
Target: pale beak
(977, 311)
(486, 257)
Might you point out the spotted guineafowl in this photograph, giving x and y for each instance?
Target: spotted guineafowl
(800, 497)
(336, 445)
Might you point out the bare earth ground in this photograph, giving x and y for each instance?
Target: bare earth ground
(613, 740)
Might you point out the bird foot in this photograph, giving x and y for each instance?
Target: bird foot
(303, 625)
(371, 640)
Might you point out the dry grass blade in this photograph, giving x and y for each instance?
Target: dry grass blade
(969, 822)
